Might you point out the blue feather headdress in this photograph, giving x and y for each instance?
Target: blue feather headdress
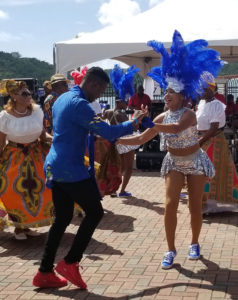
(123, 82)
(183, 69)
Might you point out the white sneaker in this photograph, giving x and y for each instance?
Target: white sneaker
(30, 232)
(20, 236)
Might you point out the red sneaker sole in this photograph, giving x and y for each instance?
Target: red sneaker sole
(46, 286)
(67, 276)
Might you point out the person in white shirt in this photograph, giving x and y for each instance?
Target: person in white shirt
(221, 193)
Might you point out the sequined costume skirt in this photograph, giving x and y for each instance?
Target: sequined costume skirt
(24, 199)
(197, 163)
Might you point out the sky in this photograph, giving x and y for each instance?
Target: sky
(31, 27)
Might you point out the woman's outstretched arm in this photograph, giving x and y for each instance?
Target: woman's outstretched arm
(144, 137)
(187, 120)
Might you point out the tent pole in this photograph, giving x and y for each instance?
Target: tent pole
(54, 58)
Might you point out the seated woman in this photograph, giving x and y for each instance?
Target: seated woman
(25, 200)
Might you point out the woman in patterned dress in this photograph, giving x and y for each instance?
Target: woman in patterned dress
(25, 200)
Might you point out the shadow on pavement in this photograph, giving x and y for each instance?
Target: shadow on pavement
(212, 273)
(145, 203)
(229, 218)
(112, 221)
(221, 279)
(116, 222)
(32, 248)
(78, 294)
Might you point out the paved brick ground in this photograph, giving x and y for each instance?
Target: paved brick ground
(123, 259)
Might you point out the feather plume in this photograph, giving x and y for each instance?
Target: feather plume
(115, 76)
(186, 63)
(79, 75)
(123, 82)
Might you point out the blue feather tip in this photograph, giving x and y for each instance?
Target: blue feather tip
(123, 82)
(186, 63)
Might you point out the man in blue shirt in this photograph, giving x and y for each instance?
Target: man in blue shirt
(70, 181)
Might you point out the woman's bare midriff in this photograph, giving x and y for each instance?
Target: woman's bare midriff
(184, 151)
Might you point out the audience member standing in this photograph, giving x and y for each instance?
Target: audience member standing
(59, 85)
(230, 106)
(117, 116)
(47, 91)
(26, 201)
(123, 87)
(218, 96)
(139, 98)
(222, 191)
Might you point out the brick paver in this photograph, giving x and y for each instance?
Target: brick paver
(123, 259)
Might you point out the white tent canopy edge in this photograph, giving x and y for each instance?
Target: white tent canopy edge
(213, 20)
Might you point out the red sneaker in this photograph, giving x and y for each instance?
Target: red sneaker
(48, 280)
(71, 272)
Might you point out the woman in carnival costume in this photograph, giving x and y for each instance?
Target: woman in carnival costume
(180, 75)
(221, 193)
(123, 87)
(25, 200)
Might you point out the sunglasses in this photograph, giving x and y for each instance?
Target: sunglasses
(25, 94)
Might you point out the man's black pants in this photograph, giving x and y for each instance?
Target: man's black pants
(86, 194)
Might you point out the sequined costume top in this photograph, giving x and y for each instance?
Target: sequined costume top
(183, 139)
(197, 163)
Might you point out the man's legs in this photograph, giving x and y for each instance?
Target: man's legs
(64, 207)
(86, 194)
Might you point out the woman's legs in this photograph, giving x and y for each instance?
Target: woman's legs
(174, 182)
(195, 190)
(127, 160)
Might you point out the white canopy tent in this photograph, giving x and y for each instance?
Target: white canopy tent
(213, 20)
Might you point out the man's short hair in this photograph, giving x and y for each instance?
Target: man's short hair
(97, 74)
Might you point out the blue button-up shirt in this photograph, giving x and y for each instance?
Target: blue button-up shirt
(73, 118)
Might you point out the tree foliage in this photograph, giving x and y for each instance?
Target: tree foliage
(12, 65)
